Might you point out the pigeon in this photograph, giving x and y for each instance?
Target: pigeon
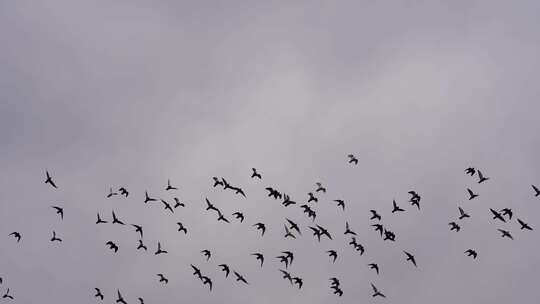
(341, 203)
(177, 203)
(283, 259)
(159, 250)
(508, 212)
(288, 233)
(470, 171)
(287, 201)
(293, 226)
(169, 187)
(54, 238)
(138, 229)
(99, 220)
(206, 280)
(7, 295)
(378, 227)
(348, 230)
(316, 232)
(497, 215)
(286, 275)
(312, 198)
(324, 231)
(396, 207)
(196, 271)
(111, 193)
(536, 190)
(116, 220)
(112, 246)
(222, 218)
(239, 216)
(298, 281)
(209, 206)
(141, 246)
(320, 188)
(147, 198)
(260, 226)
(240, 278)
(167, 206)
(120, 299)
(505, 233)
(217, 182)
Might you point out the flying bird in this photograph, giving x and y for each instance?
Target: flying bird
(49, 180)
(209, 206)
(240, 278)
(320, 188)
(181, 227)
(471, 171)
(293, 226)
(410, 257)
(524, 225)
(333, 255)
(141, 246)
(374, 215)
(288, 233)
(340, 203)
(312, 198)
(162, 278)
(147, 198)
(111, 193)
(138, 229)
(196, 271)
(116, 220)
(169, 187)
(112, 246)
(99, 220)
(225, 268)
(298, 281)
(259, 257)
(16, 235)
(376, 292)
(316, 232)
(289, 255)
(54, 238)
(324, 231)
(462, 214)
(374, 266)
(207, 254)
(454, 226)
(286, 275)
(471, 252)
(507, 212)
(239, 215)
(472, 195)
(348, 230)
(283, 259)
(287, 201)
(207, 280)
(497, 215)
(59, 211)
(167, 206)
(222, 218)
(378, 227)
(396, 207)
(352, 159)
(260, 226)
(217, 182)
(98, 294)
(177, 203)
(505, 233)
(481, 177)
(159, 250)
(123, 191)
(120, 299)
(536, 190)
(255, 174)
(7, 295)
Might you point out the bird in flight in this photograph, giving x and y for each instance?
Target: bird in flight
(260, 226)
(340, 203)
(289, 255)
(59, 211)
(209, 206)
(7, 295)
(141, 246)
(217, 182)
(116, 220)
(99, 220)
(536, 190)
(288, 232)
(286, 275)
(112, 246)
(298, 281)
(396, 207)
(207, 280)
(141, 301)
(167, 206)
(49, 180)
(374, 266)
(481, 177)
(222, 218)
(240, 278)
(98, 294)
(287, 201)
(120, 299)
(505, 233)
(333, 255)
(312, 198)
(378, 227)
(255, 174)
(123, 191)
(54, 238)
(497, 215)
(225, 268)
(147, 198)
(410, 257)
(207, 254)
(507, 212)
(470, 171)
(239, 215)
(324, 231)
(259, 257)
(524, 225)
(181, 227)
(316, 232)
(196, 271)
(376, 292)
(348, 229)
(159, 250)
(374, 215)
(471, 252)
(273, 193)
(162, 278)
(16, 235)
(472, 195)
(111, 193)
(138, 229)
(454, 226)
(352, 159)
(320, 188)
(462, 214)
(293, 226)
(177, 203)
(169, 187)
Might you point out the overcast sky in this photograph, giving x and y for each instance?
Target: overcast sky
(131, 93)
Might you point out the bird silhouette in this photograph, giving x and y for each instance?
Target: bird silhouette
(59, 211)
(167, 206)
(316, 232)
(396, 207)
(389, 235)
(333, 255)
(225, 268)
(471, 171)
(259, 257)
(374, 215)
(293, 226)
(374, 266)
(239, 215)
(536, 190)
(54, 238)
(312, 198)
(147, 198)
(98, 294)
(376, 292)
(99, 220)
(471, 252)
(260, 226)
(286, 275)
(16, 235)
(472, 195)
(162, 278)
(289, 255)
(359, 247)
(226, 185)
(240, 278)
(288, 233)
(462, 214)
(378, 227)
(159, 250)
(177, 203)
(7, 295)
(116, 220)
(348, 230)
(481, 177)
(298, 281)
(273, 193)
(320, 188)
(454, 226)
(411, 258)
(49, 180)
(207, 280)
(141, 246)
(255, 174)
(207, 254)
(209, 206)
(334, 282)
(111, 193)
(217, 182)
(119, 298)
(507, 212)
(169, 187)
(196, 271)
(524, 225)
(352, 159)
(324, 232)
(238, 190)
(112, 246)
(337, 291)
(141, 301)
(505, 233)
(138, 229)
(287, 201)
(222, 218)
(497, 215)
(340, 203)
(181, 227)
(123, 191)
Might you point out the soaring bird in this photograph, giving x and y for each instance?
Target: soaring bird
(481, 177)
(7, 295)
(324, 231)
(167, 206)
(410, 257)
(259, 257)
(116, 220)
(217, 182)
(396, 207)
(239, 215)
(111, 193)
(508, 212)
(471, 171)
(472, 195)
(348, 230)
(255, 174)
(260, 226)
(471, 252)
(320, 188)
(226, 185)
(100, 221)
(221, 217)
(141, 246)
(374, 215)
(209, 206)
(162, 278)
(169, 187)
(238, 190)
(225, 268)
(293, 226)
(98, 294)
(196, 271)
(207, 280)
(340, 203)
(59, 211)
(415, 199)
(378, 227)
(138, 229)
(112, 246)
(298, 281)
(49, 180)
(177, 203)
(524, 225)
(120, 299)
(536, 190)
(289, 255)
(312, 198)
(497, 215)
(159, 250)
(352, 159)
(286, 275)
(462, 214)
(181, 227)
(389, 235)
(316, 232)
(334, 282)
(333, 255)
(54, 238)
(141, 301)
(376, 292)
(147, 198)
(454, 226)
(374, 266)
(288, 233)
(273, 193)
(123, 191)
(240, 278)
(505, 233)
(360, 248)
(283, 259)
(207, 254)
(338, 291)
(16, 235)
(287, 200)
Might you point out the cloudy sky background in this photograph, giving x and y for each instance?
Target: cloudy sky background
(131, 93)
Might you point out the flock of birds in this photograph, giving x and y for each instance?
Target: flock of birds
(291, 230)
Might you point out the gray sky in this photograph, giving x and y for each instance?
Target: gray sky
(131, 93)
